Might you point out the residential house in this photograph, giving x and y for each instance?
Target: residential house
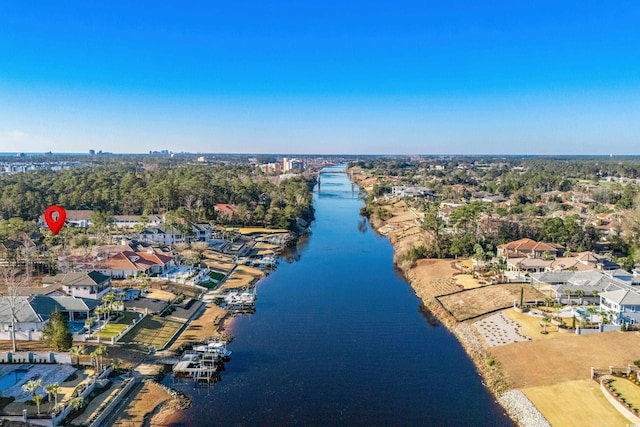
(166, 235)
(201, 232)
(33, 312)
(130, 258)
(131, 221)
(79, 218)
(528, 248)
(410, 191)
(589, 282)
(225, 210)
(623, 305)
(91, 285)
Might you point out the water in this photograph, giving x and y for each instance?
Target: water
(12, 378)
(338, 339)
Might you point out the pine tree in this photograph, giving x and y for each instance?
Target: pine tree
(56, 332)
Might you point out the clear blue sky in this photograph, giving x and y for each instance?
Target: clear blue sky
(321, 76)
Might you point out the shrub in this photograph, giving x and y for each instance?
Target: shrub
(490, 361)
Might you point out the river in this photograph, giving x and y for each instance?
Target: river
(338, 339)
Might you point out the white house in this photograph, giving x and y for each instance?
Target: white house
(92, 285)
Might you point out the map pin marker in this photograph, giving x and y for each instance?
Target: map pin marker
(55, 224)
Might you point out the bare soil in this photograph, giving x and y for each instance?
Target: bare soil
(475, 302)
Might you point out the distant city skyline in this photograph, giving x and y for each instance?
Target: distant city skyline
(348, 77)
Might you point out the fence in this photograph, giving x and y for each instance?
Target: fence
(106, 411)
(31, 357)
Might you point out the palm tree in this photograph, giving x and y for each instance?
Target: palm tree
(89, 323)
(567, 292)
(591, 311)
(98, 355)
(580, 294)
(548, 300)
(76, 351)
(52, 390)
(116, 364)
(77, 402)
(32, 387)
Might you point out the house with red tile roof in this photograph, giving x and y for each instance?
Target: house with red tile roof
(529, 248)
(121, 261)
(225, 209)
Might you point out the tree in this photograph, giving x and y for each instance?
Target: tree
(143, 282)
(56, 332)
(580, 294)
(77, 402)
(567, 292)
(32, 387)
(116, 364)
(52, 390)
(14, 281)
(77, 351)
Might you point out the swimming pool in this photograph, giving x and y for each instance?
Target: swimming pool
(12, 378)
(76, 327)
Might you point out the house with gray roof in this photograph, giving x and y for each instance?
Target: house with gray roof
(33, 312)
(590, 282)
(623, 305)
(92, 285)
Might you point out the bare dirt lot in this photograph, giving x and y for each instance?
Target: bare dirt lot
(566, 358)
(205, 326)
(433, 277)
(475, 302)
(148, 397)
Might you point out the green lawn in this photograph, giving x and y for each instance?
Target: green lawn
(114, 328)
(629, 391)
(216, 276)
(153, 330)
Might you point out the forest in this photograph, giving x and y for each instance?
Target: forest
(183, 191)
(496, 200)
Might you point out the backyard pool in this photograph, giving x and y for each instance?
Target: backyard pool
(76, 327)
(12, 378)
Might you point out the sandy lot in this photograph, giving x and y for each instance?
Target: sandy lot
(568, 357)
(205, 326)
(242, 277)
(433, 277)
(475, 302)
(148, 397)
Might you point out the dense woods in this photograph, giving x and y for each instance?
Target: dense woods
(483, 202)
(183, 191)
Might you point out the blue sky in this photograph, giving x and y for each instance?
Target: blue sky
(511, 77)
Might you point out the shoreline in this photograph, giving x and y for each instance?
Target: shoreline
(515, 404)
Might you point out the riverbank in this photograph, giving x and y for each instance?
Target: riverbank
(431, 278)
(543, 380)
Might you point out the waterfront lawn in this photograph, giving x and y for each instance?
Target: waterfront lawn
(216, 276)
(114, 328)
(575, 403)
(153, 330)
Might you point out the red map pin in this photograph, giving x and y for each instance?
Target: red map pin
(55, 216)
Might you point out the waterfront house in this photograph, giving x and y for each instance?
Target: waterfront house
(590, 282)
(91, 285)
(410, 191)
(623, 305)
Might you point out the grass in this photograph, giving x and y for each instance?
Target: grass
(575, 403)
(114, 328)
(153, 330)
(216, 276)
(630, 392)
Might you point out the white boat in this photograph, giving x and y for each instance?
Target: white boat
(217, 349)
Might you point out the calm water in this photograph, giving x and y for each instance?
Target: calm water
(338, 339)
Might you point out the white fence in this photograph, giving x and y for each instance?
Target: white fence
(31, 357)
